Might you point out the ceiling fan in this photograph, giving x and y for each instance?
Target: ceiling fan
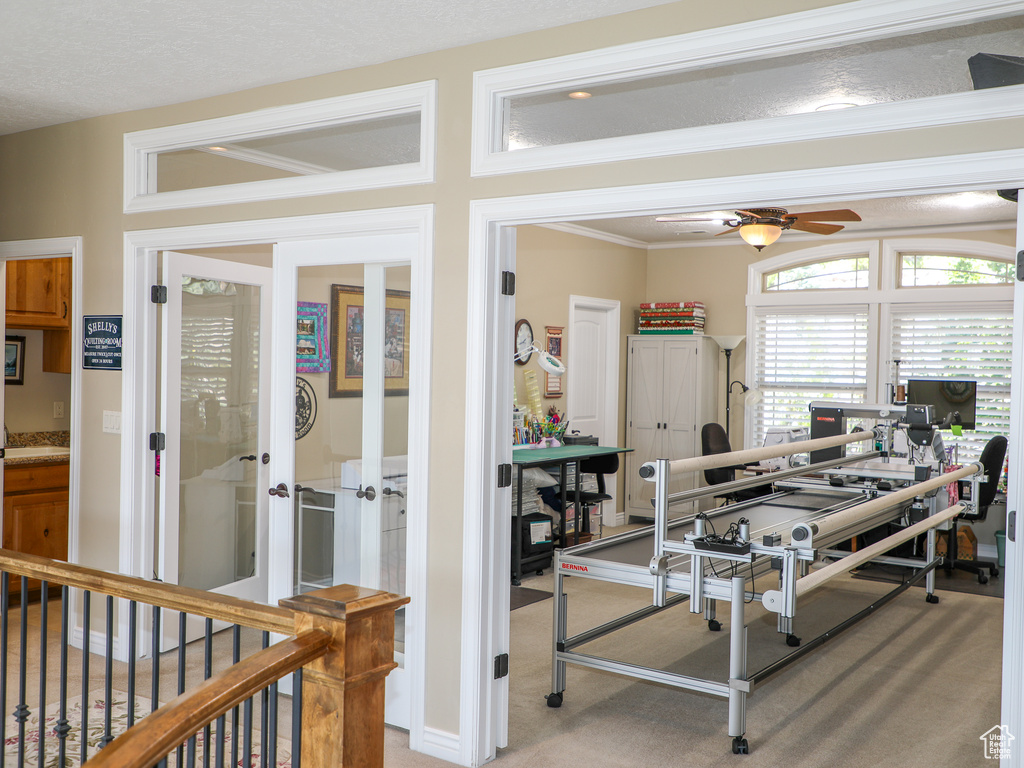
(762, 226)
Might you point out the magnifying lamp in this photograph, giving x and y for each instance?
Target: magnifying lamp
(550, 364)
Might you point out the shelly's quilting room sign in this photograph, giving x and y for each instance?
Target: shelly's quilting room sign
(101, 342)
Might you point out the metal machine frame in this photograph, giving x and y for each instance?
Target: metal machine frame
(669, 573)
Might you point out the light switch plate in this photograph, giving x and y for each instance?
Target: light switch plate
(112, 422)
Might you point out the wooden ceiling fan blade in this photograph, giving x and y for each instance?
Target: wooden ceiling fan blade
(727, 231)
(840, 215)
(818, 229)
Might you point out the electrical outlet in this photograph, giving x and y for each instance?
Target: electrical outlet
(58, 409)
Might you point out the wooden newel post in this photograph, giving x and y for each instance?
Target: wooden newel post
(343, 691)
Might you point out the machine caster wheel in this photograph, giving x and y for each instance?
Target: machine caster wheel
(714, 625)
(994, 573)
(932, 598)
(739, 746)
(554, 700)
(792, 641)
(540, 572)
(982, 578)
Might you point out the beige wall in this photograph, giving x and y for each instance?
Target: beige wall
(66, 180)
(29, 407)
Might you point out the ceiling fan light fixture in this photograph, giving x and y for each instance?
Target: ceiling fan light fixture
(760, 235)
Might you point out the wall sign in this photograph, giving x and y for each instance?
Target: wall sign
(101, 342)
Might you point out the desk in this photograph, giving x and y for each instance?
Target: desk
(562, 457)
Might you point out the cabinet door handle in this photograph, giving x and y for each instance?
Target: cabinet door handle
(46, 531)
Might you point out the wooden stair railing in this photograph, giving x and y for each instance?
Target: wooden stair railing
(342, 638)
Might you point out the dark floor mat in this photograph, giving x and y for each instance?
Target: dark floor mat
(521, 596)
(957, 581)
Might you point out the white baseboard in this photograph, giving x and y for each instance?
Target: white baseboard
(97, 643)
(441, 744)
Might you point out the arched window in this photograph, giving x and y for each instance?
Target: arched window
(828, 323)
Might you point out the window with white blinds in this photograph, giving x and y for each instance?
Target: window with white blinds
(806, 355)
(959, 342)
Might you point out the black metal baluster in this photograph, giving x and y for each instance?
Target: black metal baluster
(43, 629)
(155, 651)
(5, 585)
(86, 642)
(264, 713)
(207, 674)
(236, 655)
(272, 725)
(247, 732)
(182, 625)
(133, 617)
(63, 726)
(297, 719)
(21, 712)
(219, 756)
(108, 693)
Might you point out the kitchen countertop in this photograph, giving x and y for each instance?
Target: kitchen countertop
(37, 448)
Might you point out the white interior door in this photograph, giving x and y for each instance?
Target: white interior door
(340, 411)
(215, 408)
(593, 373)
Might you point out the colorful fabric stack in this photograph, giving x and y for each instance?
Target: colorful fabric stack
(676, 317)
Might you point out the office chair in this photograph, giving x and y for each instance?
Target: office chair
(713, 440)
(600, 466)
(992, 457)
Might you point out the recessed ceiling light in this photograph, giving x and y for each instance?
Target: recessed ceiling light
(217, 149)
(580, 95)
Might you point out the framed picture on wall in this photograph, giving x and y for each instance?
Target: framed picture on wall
(346, 342)
(311, 344)
(14, 360)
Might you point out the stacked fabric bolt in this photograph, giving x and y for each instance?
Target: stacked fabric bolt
(677, 317)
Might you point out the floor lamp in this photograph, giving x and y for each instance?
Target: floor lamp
(728, 344)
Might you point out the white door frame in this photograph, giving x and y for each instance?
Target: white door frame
(484, 701)
(59, 247)
(610, 407)
(139, 375)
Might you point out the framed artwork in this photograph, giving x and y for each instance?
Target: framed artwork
(14, 360)
(312, 349)
(346, 342)
(553, 384)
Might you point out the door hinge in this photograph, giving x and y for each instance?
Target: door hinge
(500, 666)
(158, 294)
(1020, 266)
(1011, 526)
(508, 283)
(157, 441)
(504, 475)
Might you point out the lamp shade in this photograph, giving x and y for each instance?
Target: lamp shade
(760, 235)
(728, 342)
(550, 364)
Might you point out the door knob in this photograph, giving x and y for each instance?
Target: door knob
(281, 490)
(369, 494)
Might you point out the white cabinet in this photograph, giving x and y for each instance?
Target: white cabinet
(672, 391)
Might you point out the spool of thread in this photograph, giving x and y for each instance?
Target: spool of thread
(901, 394)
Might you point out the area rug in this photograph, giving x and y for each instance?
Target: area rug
(95, 730)
(521, 596)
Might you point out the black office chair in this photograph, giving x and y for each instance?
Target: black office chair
(600, 466)
(713, 441)
(992, 457)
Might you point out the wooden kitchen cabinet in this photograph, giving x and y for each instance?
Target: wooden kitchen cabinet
(36, 513)
(39, 293)
(39, 297)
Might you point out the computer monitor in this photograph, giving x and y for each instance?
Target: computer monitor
(946, 395)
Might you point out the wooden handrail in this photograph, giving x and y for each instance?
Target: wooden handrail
(195, 601)
(159, 733)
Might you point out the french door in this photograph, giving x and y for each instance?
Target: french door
(340, 413)
(215, 407)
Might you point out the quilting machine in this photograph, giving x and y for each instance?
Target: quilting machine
(717, 555)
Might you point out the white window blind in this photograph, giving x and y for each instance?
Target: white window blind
(958, 342)
(806, 355)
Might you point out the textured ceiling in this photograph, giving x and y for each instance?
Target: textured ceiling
(63, 61)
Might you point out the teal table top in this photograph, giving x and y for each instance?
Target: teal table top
(562, 453)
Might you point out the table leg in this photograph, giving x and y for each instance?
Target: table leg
(565, 498)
